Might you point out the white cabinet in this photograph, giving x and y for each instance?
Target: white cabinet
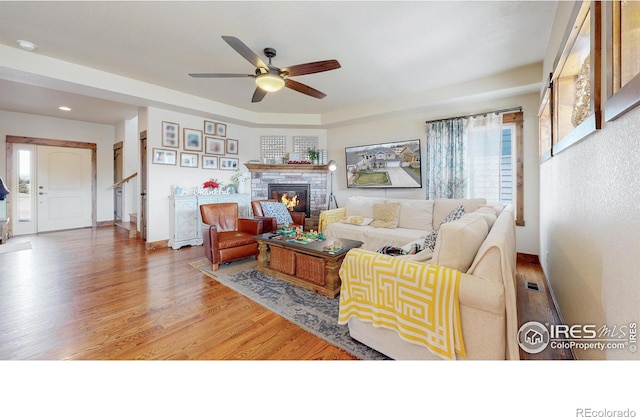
(185, 227)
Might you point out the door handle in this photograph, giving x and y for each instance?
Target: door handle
(42, 193)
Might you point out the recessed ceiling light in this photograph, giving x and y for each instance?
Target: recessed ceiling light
(27, 46)
(64, 108)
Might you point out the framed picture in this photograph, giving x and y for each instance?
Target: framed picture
(164, 156)
(213, 146)
(545, 127)
(221, 130)
(170, 135)
(209, 128)
(209, 162)
(576, 80)
(623, 61)
(189, 160)
(230, 164)
(371, 166)
(192, 139)
(232, 146)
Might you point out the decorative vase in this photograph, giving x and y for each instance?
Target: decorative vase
(241, 188)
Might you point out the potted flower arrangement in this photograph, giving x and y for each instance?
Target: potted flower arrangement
(211, 184)
(240, 178)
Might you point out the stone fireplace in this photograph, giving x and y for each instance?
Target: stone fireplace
(282, 177)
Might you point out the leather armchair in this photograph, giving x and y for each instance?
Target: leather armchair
(270, 223)
(225, 236)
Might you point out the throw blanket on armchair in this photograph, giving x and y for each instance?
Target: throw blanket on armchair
(417, 300)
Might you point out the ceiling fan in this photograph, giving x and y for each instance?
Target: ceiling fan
(270, 78)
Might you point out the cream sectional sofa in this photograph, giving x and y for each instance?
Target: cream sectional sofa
(481, 245)
(416, 219)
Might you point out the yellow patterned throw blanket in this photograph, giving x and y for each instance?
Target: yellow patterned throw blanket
(417, 300)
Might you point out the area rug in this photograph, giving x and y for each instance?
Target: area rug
(14, 246)
(313, 312)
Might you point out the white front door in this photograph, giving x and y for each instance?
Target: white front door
(63, 192)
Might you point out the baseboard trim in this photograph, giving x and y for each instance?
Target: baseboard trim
(159, 244)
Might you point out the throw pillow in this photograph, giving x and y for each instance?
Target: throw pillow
(454, 215)
(391, 251)
(430, 240)
(386, 215)
(358, 220)
(277, 210)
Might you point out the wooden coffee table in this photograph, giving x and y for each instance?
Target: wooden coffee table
(307, 265)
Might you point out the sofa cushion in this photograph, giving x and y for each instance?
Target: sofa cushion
(443, 206)
(458, 241)
(489, 215)
(362, 206)
(277, 210)
(415, 214)
(358, 220)
(373, 238)
(496, 207)
(386, 215)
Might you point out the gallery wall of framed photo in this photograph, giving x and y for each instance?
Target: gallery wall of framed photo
(206, 146)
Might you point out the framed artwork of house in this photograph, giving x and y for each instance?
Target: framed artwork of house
(384, 165)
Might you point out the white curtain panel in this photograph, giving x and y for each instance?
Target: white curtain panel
(482, 164)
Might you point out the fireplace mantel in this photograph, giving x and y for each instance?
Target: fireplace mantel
(286, 167)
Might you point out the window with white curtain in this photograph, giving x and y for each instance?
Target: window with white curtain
(487, 162)
(483, 157)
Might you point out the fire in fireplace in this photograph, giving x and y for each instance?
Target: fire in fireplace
(294, 196)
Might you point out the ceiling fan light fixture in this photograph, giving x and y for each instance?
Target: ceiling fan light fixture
(269, 82)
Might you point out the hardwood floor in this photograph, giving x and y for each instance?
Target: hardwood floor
(98, 294)
(536, 305)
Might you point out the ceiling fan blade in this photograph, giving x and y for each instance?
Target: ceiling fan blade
(258, 95)
(304, 89)
(312, 67)
(244, 50)
(208, 75)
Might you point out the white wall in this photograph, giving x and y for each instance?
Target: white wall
(19, 124)
(589, 223)
(412, 126)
